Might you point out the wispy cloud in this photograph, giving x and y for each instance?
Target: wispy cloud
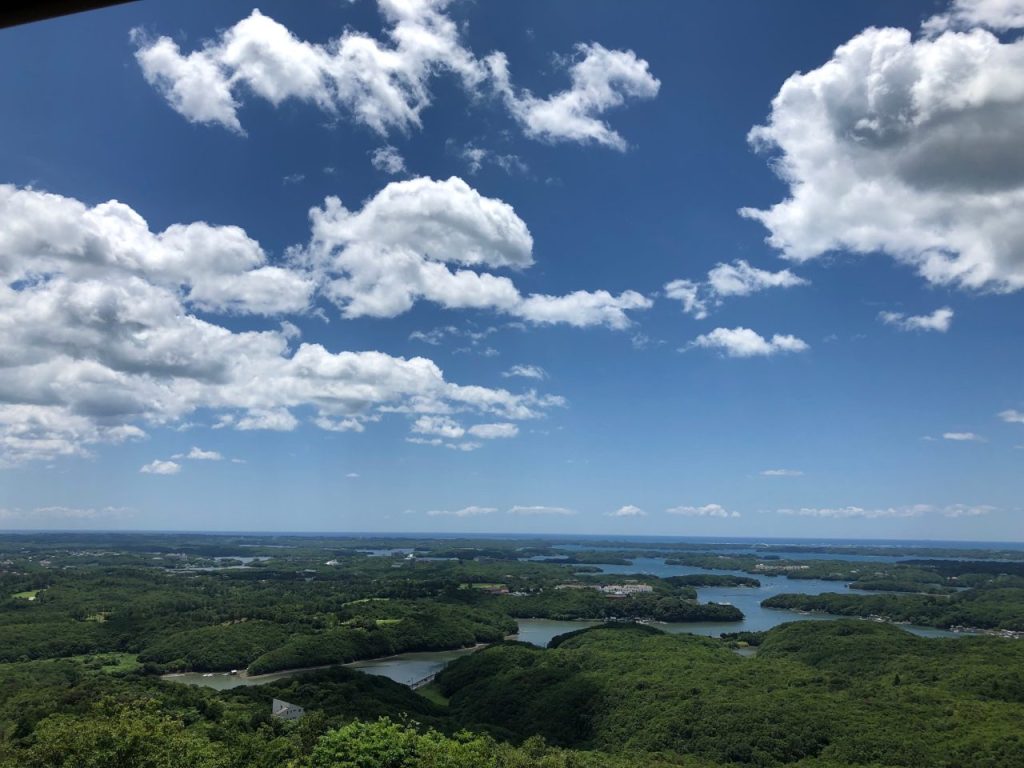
(526, 372)
(388, 160)
(158, 467)
(781, 473)
(738, 278)
(540, 510)
(198, 454)
(629, 510)
(963, 437)
(912, 510)
(708, 510)
(940, 320)
(1012, 416)
(471, 511)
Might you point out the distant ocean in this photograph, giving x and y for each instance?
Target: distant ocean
(716, 541)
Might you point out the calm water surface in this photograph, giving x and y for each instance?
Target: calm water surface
(748, 599)
(407, 668)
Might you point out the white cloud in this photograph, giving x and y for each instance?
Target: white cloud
(910, 147)
(967, 510)
(62, 515)
(474, 335)
(939, 320)
(743, 342)
(582, 308)
(216, 268)
(628, 510)
(741, 279)
(995, 14)
(464, 446)
(384, 85)
(1012, 416)
(493, 431)
(272, 419)
(352, 475)
(526, 372)
(379, 261)
(738, 278)
(198, 454)
(963, 437)
(387, 159)
(424, 441)
(708, 510)
(781, 473)
(438, 425)
(540, 510)
(476, 157)
(689, 293)
(101, 340)
(158, 467)
(601, 80)
(471, 511)
(913, 510)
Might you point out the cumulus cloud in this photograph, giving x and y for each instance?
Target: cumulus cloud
(743, 342)
(526, 372)
(940, 320)
(582, 308)
(708, 510)
(913, 510)
(471, 511)
(1012, 416)
(963, 14)
(628, 510)
(737, 278)
(600, 80)
(540, 510)
(781, 473)
(217, 268)
(423, 239)
(910, 147)
(101, 336)
(741, 279)
(963, 437)
(383, 84)
(158, 467)
(388, 160)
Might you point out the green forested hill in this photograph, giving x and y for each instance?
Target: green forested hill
(817, 694)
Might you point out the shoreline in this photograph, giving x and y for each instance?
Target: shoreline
(957, 629)
(243, 675)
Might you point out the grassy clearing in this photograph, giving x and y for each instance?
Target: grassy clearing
(432, 693)
(28, 595)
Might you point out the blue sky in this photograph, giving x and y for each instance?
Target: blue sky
(845, 363)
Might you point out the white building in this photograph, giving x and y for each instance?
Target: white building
(626, 589)
(285, 711)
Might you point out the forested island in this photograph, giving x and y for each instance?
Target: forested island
(988, 609)
(91, 623)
